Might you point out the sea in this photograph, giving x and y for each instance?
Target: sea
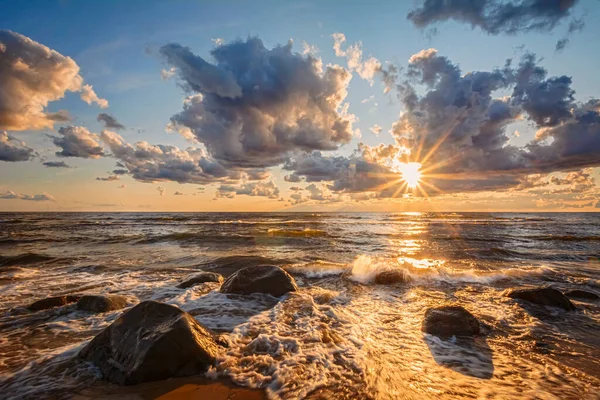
(340, 336)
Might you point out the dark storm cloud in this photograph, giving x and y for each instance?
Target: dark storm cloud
(77, 141)
(495, 16)
(56, 164)
(254, 106)
(109, 121)
(31, 76)
(12, 149)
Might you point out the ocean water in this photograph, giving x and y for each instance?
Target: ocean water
(340, 336)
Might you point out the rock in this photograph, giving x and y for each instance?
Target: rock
(450, 321)
(390, 277)
(260, 279)
(100, 304)
(582, 294)
(152, 341)
(52, 302)
(201, 277)
(545, 296)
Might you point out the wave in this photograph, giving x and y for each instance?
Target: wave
(566, 238)
(25, 259)
(296, 232)
(365, 268)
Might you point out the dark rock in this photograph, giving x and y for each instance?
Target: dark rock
(53, 302)
(450, 321)
(101, 304)
(545, 296)
(582, 294)
(390, 277)
(260, 279)
(201, 277)
(152, 341)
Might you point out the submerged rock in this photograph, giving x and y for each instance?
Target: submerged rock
(53, 302)
(260, 279)
(152, 341)
(545, 296)
(101, 304)
(201, 277)
(450, 321)
(390, 277)
(582, 294)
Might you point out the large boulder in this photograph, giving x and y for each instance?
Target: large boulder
(450, 321)
(152, 341)
(390, 277)
(100, 304)
(53, 302)
(201, 277)
(545, 296)
(582, 295)
(260, 279)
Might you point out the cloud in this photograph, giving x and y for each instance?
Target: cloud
(109, 178)
(309, 49)
(89, 96)
(258, 188)
(161, 190)
(10, 195)
(109, 121)
(31, 76)
(255, 106)
(77, 141)
(123, 186)
(376, 129)
(12, 149)
(366, 69)
(55, 164)
(495, 16)
(178, 193)
(156, 163)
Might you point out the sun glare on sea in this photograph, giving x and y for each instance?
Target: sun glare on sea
(410, 173)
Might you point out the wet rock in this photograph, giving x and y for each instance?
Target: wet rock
(390, 277)
(152, 341)
(545, 296)
(450, 321)
(100, 304)
(582, 294)
(260, 279)
(53, 302)
(201, 277)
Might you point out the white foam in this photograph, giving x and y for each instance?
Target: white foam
(365, 268)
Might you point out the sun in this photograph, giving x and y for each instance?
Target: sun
(410, 173)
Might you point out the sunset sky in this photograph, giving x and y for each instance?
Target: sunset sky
(306, 105)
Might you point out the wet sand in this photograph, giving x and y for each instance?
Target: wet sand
(190, 388)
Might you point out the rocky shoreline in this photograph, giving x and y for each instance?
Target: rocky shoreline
(158, 342)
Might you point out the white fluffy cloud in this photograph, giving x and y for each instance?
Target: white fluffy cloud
(31, 76)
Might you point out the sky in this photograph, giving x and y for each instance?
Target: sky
(434, 105)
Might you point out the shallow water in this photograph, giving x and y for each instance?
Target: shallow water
(340, 335)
